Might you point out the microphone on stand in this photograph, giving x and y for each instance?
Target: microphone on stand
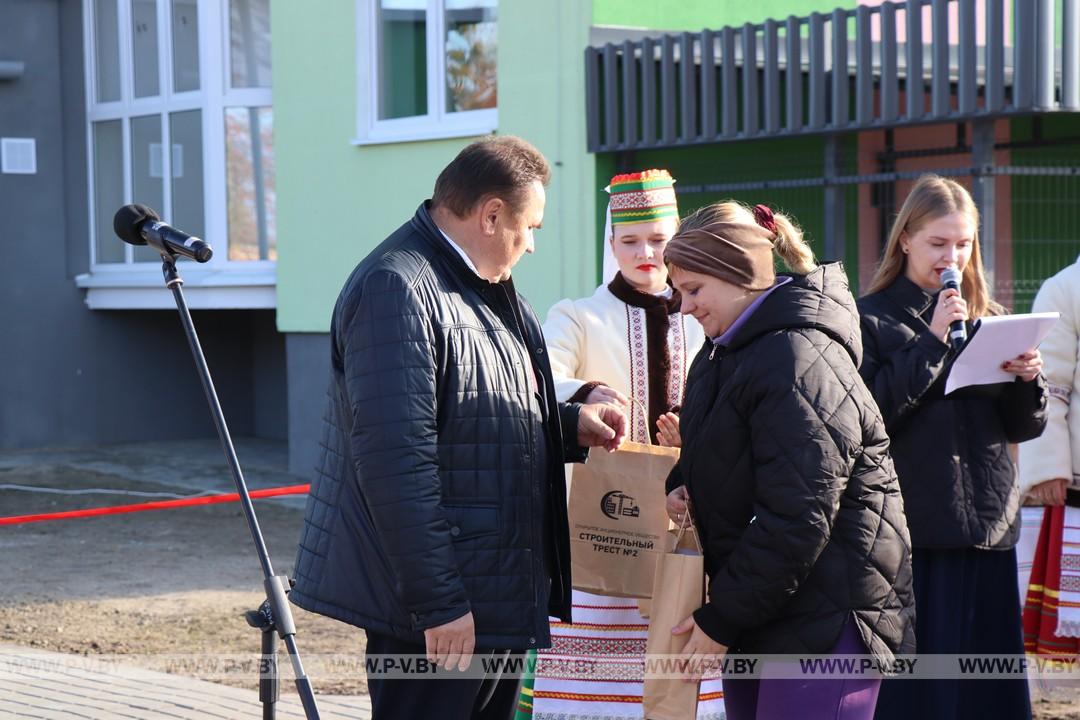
(140, 225)
(950, 280)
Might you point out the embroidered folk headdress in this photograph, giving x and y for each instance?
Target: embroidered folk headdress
(642, 197)
(635, 198)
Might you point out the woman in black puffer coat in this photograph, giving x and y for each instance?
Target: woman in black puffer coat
(786, 466)
(952, 456)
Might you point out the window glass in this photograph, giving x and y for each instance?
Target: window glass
(402, 74)
(108, 188)
(135, 145)
(144, 45)
(147, 172)
(471, 43)
(185, 130)
(249, 149)
(107, 50)
(249, 43)
(185, 45)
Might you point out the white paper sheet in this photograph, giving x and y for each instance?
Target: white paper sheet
(998, 339)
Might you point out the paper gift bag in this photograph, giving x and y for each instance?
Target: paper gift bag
(644, 606)
(617, 519)
(679, 590)
(688, 541)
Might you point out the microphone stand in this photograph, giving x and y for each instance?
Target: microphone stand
(275, 613)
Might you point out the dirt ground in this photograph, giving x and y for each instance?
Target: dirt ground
(172, 582)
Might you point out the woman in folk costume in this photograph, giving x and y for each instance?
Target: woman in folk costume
(1050, 476)
(627, 343)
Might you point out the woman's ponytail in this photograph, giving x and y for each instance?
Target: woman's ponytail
(789, 244)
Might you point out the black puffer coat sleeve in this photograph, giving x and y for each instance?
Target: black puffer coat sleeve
(1022, 407)
(899, 379)
(390, 368)
(568, 419)
(674, 479)
(805, 432)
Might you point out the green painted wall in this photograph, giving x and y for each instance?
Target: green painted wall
(702, 14)
(542, 99)
(335, 201)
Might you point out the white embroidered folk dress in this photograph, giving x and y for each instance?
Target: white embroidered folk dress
(1056, 453)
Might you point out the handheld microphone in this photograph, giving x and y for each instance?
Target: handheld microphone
(950, 280)
(140, 225)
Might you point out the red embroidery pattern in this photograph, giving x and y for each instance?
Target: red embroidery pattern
(590, 698)
(613, 698)
(676, 342)
(599, 646)
(642, 626)
(570, 667)
(639, 375)
(642, 199)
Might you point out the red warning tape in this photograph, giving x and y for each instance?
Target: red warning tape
(156, 505)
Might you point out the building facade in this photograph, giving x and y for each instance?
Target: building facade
(90, 94)
(296, 136)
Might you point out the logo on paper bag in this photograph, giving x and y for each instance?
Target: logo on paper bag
(617, 504)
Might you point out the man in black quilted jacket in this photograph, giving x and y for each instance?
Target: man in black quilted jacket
(437, 517)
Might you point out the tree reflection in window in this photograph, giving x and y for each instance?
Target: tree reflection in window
(249, 150)
(471, 48)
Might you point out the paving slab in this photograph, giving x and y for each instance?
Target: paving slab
(47, 685)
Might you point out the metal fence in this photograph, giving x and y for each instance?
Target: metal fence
(840, 71)
(1032, 219)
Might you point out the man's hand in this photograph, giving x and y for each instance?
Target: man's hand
(701, 653)
(452, 644)
(601, 425)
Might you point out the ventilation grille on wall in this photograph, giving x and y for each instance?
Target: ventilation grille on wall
(18, 156)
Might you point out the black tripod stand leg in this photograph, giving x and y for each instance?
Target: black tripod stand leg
(269, 689)
(269, 680)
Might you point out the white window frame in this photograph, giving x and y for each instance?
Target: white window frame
(221, 282)
(437, 123)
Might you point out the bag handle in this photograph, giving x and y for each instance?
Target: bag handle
(644, 414)
(688, 523)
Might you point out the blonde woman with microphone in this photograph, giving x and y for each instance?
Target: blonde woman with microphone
(951, 452)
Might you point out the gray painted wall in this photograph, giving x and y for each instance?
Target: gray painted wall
(72, 376)
(270, 407)
(309, 376)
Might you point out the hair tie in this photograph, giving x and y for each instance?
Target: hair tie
(764, 217)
